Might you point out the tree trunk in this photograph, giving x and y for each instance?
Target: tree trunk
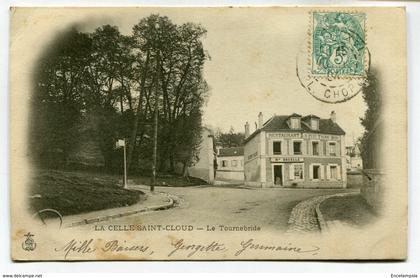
(185, 173)
(130, 100)
(171, 164)
(121, 103)
(138, 112)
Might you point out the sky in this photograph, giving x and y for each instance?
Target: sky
(252, 67)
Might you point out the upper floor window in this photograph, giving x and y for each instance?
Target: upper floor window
(234, 163)
(295, 123)
(314, 124)
(332, 148)
(276, 147)
(297, 147)
(225, 163)
(315, 148)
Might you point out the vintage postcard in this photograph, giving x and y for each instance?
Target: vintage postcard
(229, 133)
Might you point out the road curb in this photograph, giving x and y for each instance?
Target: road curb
(168, 205)
(323, 225)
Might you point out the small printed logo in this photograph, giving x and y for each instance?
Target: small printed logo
(29, 244)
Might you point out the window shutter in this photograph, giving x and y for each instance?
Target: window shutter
(328, 172)
(291, 172)
(311, 171)
(290, 147)
(337, 148)
(338, 172)
(310, 149)
(282, 148)
(270, 147)
(303, 147)
(321, 148)
(321, 169)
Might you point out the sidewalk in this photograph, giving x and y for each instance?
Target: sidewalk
(306, 216)
(344, 212)
(153, 201)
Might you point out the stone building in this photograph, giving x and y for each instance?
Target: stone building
(373, 173)
(295, 151)
(353, 158)
(204, 167)
(230, 163)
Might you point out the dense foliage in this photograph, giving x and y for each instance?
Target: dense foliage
(229, 139)
(370, 140)
(104, 85)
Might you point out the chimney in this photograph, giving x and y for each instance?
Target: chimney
(333, 116)
(260, 120)
(246, 130)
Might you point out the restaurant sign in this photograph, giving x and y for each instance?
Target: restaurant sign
(287, 159)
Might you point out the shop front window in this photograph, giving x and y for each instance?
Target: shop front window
(316, 171)
(298, 171)
(333, 171)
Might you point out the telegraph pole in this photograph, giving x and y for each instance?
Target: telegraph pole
(122, 143)
(155, 132)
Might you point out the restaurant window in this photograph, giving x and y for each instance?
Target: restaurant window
(333, 172)
(276, 147)
(297, 147)
(332, 148)
(316, 172)
(315, 148)
(298, 171)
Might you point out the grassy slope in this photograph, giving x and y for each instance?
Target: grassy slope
(170, 180)
(77, 192)
(353, 210)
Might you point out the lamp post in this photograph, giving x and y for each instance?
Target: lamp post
(122, 143)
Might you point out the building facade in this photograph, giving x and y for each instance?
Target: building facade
(230, 164)
(295, 151)
(353, 158)
(204, 168)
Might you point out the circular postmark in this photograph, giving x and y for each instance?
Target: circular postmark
(334, 59)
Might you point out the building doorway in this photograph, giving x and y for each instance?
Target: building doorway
(278, 175)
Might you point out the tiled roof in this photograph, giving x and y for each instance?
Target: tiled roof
(311, 116)
(294, 115)
(236, 151)
(279, 123)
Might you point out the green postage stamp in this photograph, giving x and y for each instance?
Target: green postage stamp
(338, 44)
(334, 60)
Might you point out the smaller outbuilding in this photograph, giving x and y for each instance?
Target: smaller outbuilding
(230, 163)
